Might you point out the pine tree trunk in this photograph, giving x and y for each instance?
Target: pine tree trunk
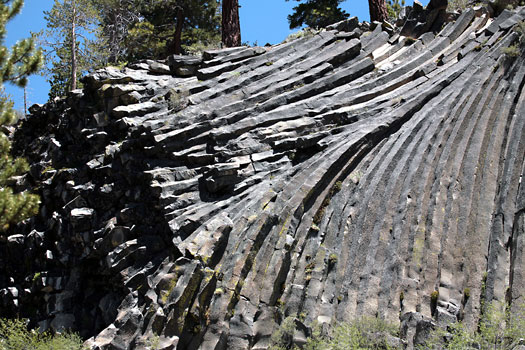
(231, 28)
(112, 52)
(178, 32)
(73, 50)
(25, 101)
(377, 10)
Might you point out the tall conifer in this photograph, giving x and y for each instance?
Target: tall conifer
(15, 65)
(69, 44)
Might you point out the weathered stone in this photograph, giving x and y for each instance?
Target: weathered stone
(176, 61)
(211, 54)
(159, 68)
(110, 75)
(134, 110)
(185, 71)
(343, 173)
(347, 25)
(81, 218)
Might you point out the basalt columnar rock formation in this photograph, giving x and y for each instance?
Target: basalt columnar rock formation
(195, 202)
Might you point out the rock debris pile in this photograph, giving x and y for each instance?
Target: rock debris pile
(199, 201)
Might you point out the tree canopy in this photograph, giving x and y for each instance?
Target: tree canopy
(15, 65)
(69, 44)
(321, 13)
(82, 35)
(316, 13)
(165, 27)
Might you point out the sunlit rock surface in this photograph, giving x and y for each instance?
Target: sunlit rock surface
(197, 202)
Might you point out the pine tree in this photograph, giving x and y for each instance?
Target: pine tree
(115, 19)
(69, 44)
(316, 13)
(172, 27)
(15, 65)
(321, 13)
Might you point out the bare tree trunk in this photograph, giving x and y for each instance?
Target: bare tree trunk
(231, 28)
(25, 101)
(74, 49)
(178, 32)
(377, 10)
(112, 53)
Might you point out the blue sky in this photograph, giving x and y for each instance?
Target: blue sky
(262, 21)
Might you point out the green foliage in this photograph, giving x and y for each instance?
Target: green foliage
(15, 336)
(36, 276)
(283, 338)
(142, 41)
(466, 293)
(316, 13)
(115, 31)
(511, 51)
(516, 49)
(68, 42)
(520, 28)
(153, 34)
(497, 329)
(459, 337)
(336, 188)
(457, 5)
(332, 260)
(303, 33)
(15, 65)
(394, 7)
(361, 334)
(115, 18)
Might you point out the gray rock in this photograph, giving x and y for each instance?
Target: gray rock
(347, 25)
(81, 218)
(344, 173)
(134, 110)
(159, 68)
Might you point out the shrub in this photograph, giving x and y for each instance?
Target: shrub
(497, 329)
(457, 5)
(336, 188)
(361, 334)
(515, 50)
(14, 335)
(303, 33)
(511, 51)
(283, 338)
(394, 7)
(458, 335)
(466, 293)
(332, 260)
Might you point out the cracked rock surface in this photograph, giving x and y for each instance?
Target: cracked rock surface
(199, 201)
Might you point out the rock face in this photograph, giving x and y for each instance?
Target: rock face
(195, 203)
